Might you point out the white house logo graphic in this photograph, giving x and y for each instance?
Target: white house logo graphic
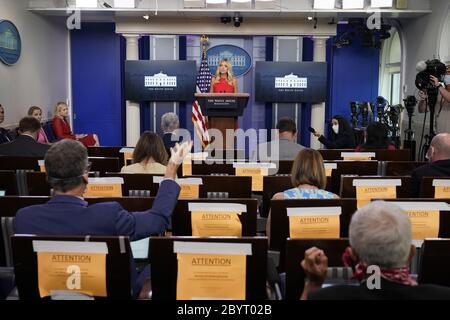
(236, 60)
(8, 40)
(160, 80)
(291, 81)
(10, 43)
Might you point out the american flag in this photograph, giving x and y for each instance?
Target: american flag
(203, 86)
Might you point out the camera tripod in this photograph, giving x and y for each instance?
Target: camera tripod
(432, 94)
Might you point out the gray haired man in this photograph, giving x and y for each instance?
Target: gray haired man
(381, 251)
(169, 124)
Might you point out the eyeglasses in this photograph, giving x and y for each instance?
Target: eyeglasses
(88, 167)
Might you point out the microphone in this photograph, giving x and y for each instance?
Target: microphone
(421, 66)
(311, 129)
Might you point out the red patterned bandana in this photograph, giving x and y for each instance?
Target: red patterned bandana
(396, 275)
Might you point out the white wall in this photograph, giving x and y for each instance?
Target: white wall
(421, 38)
(40, 77)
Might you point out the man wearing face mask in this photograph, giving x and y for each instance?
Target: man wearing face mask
(67, 213)
(340, 136)
(439, 156)
(442, 107)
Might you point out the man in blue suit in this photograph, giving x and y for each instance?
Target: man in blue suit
(67, 213)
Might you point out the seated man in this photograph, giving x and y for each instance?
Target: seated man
(380, 235)
(285, 148)
(25, 144)
(66, 213)
(170, 123)
(439, 156)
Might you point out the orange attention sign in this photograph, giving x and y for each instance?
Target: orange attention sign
(41, 165)
(368, 189)
(189, 191)
(314, 222)
(255, 170)
(187, 162)
(329, 167)
(424, 217)
(441, 188)
(425, 223)
(358, 155)
(104, 187)
(127, 154)
(216, 219)
(211, 270)
(190, 187)
(72, 270)
(187, 167)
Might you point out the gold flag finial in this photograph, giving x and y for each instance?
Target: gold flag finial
(203, 41)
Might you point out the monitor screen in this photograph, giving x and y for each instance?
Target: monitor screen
(291, 81)
(160, 80)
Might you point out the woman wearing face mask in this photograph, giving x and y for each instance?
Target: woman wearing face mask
(340, 136)
(442, 107)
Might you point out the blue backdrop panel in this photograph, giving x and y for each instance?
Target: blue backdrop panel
(305, 121)
(355, 72)
(96, 82)
(144, 54)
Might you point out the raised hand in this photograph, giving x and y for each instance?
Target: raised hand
(315, 265)
(179, 152)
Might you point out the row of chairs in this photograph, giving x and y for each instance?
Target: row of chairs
(239, 154)
(434, 264)
(216, 186)
(181, 222)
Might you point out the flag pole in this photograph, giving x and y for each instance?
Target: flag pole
(204, 40)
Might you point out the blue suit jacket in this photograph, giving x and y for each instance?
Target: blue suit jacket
(70, 215)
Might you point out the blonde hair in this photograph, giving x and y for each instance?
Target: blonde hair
(58, 107)
(230, 75)
(308, 169)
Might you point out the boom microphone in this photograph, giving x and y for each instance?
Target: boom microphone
(421, 66)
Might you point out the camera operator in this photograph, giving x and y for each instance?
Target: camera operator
(442, 108)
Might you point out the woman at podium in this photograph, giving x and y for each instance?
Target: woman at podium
(224, 81)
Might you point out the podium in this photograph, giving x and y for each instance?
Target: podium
(223, 109)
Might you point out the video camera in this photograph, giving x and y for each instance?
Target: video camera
(426, 69)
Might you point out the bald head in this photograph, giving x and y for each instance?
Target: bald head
(441, 147)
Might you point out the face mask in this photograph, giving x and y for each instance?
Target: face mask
(447, 79)
(335, 128)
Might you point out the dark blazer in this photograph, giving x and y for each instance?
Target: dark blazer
(5, 136)
(167, 139)
(24, 146)
(439, 168)
(70, 215)
(389, 291)
(339, 141)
